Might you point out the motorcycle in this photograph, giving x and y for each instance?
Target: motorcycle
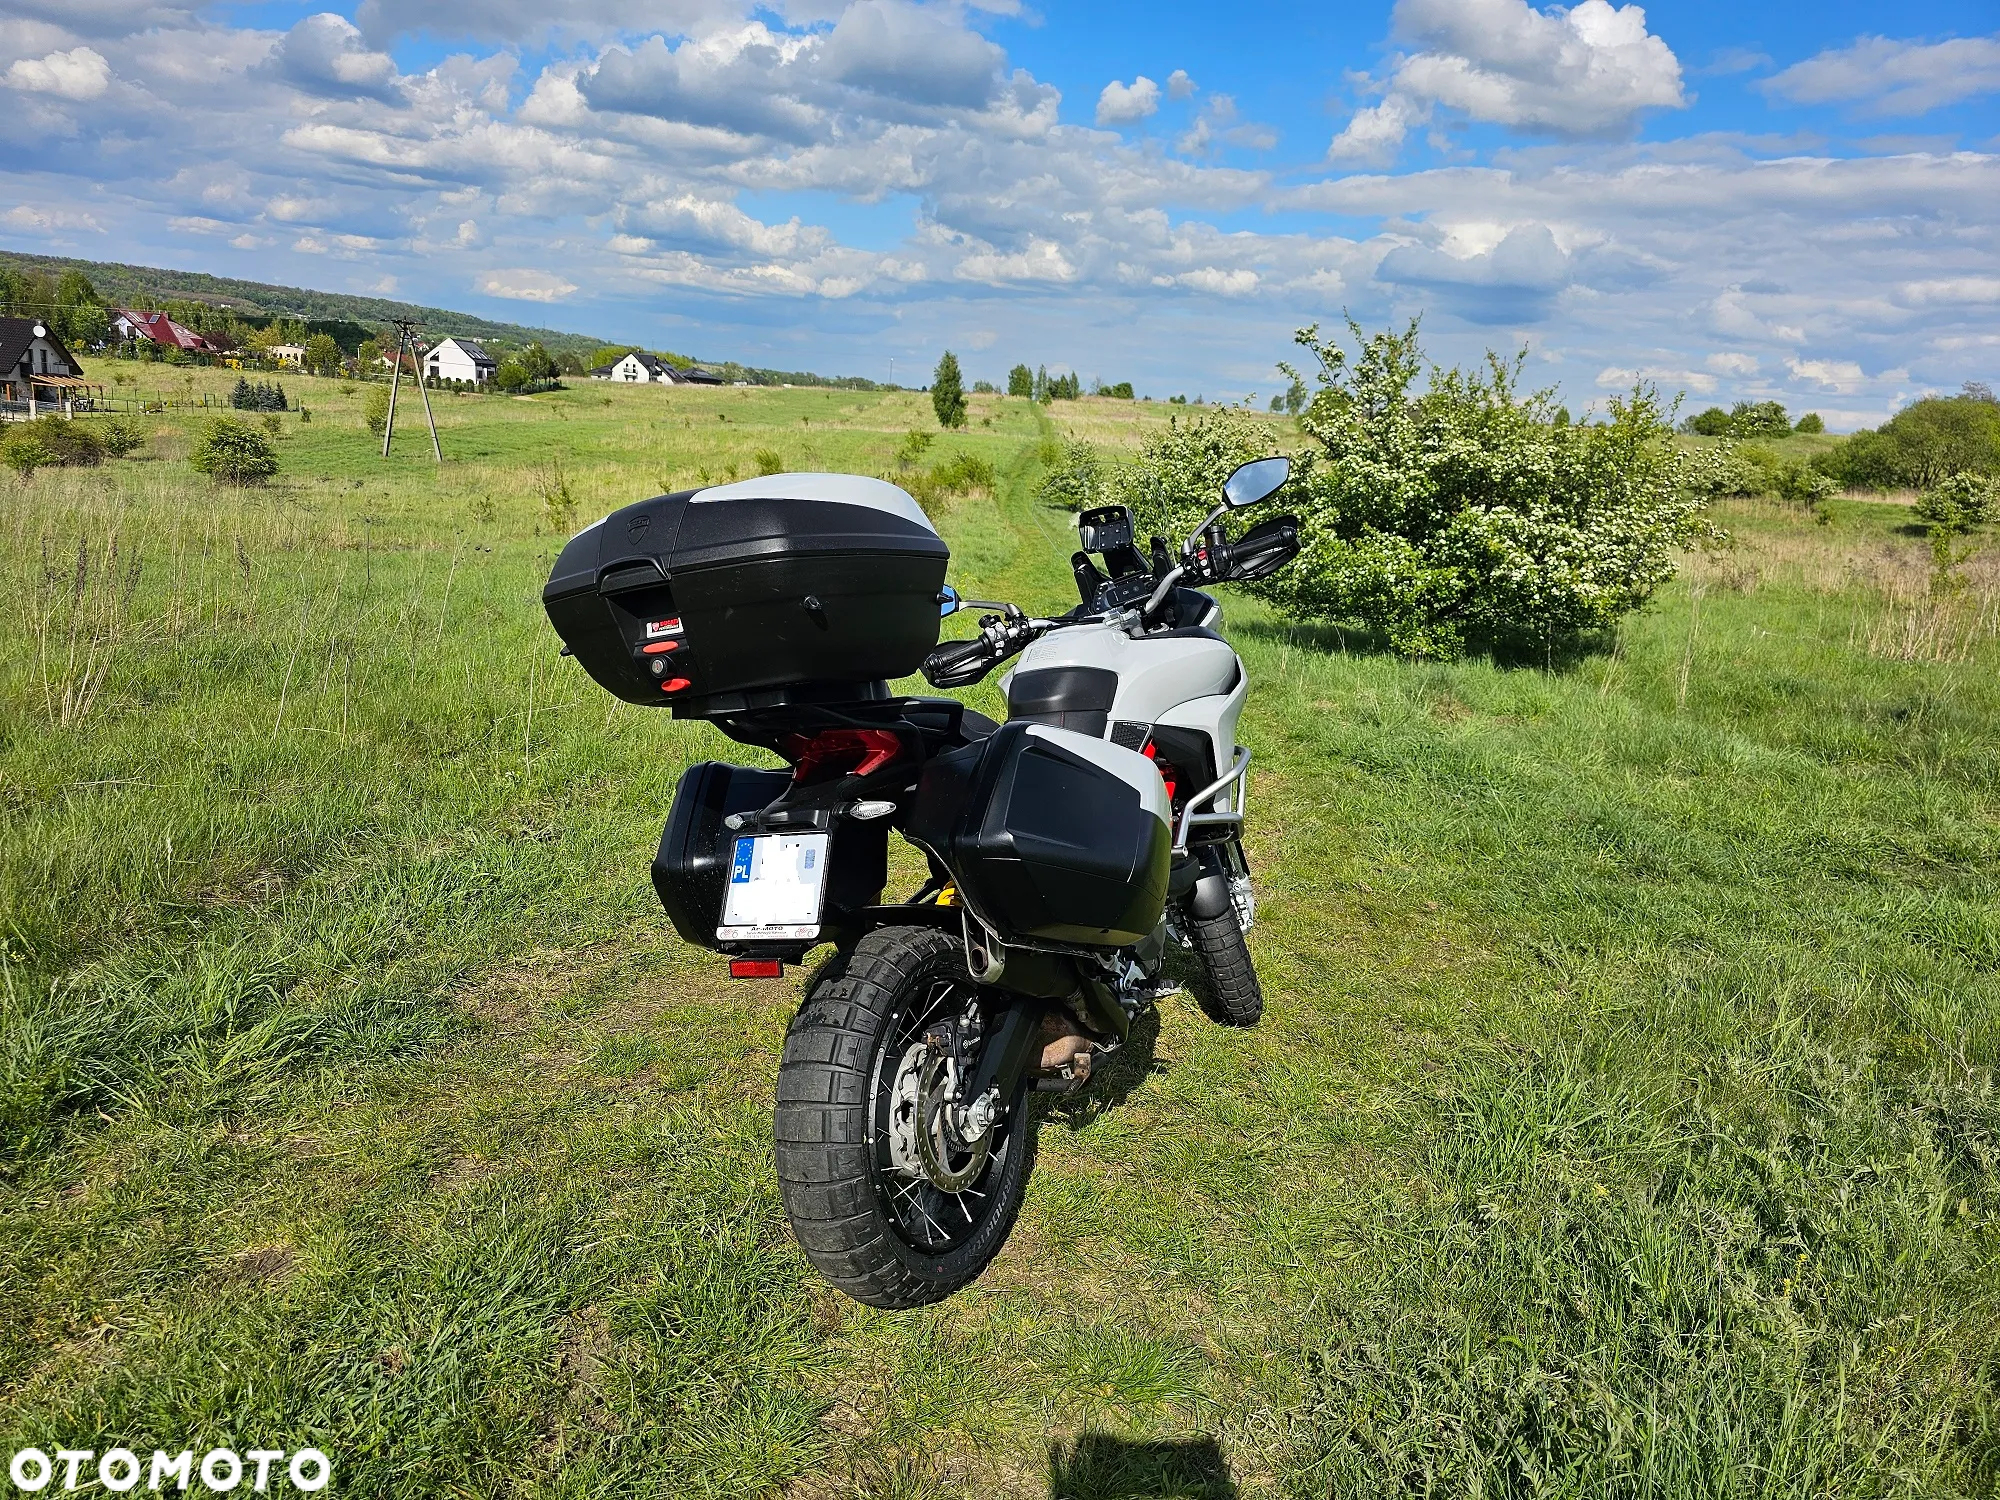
(1068, 849)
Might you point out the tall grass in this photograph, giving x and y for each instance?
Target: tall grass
(1623, 1120)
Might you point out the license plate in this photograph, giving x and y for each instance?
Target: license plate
(777, 882)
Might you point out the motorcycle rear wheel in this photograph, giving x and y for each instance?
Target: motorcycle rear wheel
(878, 1233)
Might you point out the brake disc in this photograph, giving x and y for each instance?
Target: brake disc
(922, 1140)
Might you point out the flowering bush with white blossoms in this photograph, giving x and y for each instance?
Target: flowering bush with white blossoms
(1468, 511)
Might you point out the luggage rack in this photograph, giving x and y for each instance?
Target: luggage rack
(1234, 780)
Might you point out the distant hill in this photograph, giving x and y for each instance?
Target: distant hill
(139, 286)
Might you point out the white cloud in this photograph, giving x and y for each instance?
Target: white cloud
(79, 74)
(1586, 71)
(1836, 377)
(43, 220)
(1733, 364)
(526, 285)
(1880, 76)
(1958, 290)
(1219, 125)
(325, 54)
(1122, 103)
(1179, 85)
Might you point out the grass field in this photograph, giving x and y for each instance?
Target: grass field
(1623, 1121)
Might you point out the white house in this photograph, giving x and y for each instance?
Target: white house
(34, 365)
(289, 354)
(460, 359)
(638, 368)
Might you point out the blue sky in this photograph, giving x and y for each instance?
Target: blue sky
(1732, 201)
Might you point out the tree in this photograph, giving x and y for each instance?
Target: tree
(536, 362)
(368, 355)
(1923, 444)
(1463, 513)
(948, 392)
(512, 375)
(322, 356)
(375, 411)
(1711, 423)
(1021, 381)
(234, 452)
(1759, 419)
(1810, 424)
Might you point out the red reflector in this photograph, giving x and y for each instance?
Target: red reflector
(659, 646)
(756, 968)
(674, 684)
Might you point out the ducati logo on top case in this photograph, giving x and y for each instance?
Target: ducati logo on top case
(657, 628)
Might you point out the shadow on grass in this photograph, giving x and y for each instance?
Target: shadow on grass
(1100, 1466)
(1562, 655)
(1113, 1079)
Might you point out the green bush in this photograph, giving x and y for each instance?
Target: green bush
(1957, 504)
(1466, 513)
(23, 452)
(120, 438)
(234, 452)
(375, 411)
(1711, 423)
(1810, 425)
(1077, 480)
(1748, 470)
(960, 474)
(1802, 484)
(768, 461)
(53, 442)
(1178, 476)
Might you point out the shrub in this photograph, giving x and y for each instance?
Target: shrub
(1802, 484)
(375, 411)
(1466, 513)
(1077, 479)
(23, 452)
(1748, 470)
(1810, 425)
(915, 443)
(1178, 476)
(120, 438)
(53, 442)
(234, 452)
(768, 461)
(960, 474)
(1956, 505)
(1711, 423)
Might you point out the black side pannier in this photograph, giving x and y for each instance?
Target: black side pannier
(692, 866)
(1051, 836)
(698, 598)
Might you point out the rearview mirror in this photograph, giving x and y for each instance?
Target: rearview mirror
(948, 602)
(1259, 479)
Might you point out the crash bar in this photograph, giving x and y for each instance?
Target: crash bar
(1239, 802)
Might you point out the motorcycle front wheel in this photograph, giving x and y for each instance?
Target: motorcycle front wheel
(888, 1202)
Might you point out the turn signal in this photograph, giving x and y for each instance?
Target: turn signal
(756, 968)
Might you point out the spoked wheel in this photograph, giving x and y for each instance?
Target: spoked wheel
(897, 1193)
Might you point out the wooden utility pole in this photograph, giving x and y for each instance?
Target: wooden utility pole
(406, 338)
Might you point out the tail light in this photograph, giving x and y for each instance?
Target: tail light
(1166, 769)
(841, 752)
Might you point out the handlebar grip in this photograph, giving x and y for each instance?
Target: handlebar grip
(959, 663)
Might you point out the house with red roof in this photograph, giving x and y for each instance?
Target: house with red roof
(162, 330)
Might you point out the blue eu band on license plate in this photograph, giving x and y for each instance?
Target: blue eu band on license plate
(739, 868)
